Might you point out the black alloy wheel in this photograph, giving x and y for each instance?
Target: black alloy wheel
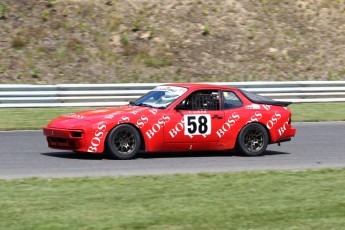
(252, 140)
(123, 142)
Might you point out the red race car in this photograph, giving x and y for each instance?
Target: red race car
(176, 117)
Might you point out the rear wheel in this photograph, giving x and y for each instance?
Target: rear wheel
(252, 140)
(123, 142)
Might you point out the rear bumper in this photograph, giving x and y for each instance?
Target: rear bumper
(291, 132)
(288, 134)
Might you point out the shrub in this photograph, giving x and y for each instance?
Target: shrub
(206, 30)
(3, 11)
(18, 42)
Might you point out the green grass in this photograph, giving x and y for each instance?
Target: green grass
(247, 200)
(36, 118)
(30, 118)
(318, 112)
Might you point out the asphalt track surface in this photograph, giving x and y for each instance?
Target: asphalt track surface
(25, 154)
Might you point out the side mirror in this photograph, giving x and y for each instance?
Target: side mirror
(180, 107)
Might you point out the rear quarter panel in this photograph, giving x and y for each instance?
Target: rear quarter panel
(274, 118)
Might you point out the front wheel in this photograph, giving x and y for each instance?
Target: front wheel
(252, 140)
(123, 142)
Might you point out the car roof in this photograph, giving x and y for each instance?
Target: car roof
(201, 86)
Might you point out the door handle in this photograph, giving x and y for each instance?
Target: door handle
(217, 117)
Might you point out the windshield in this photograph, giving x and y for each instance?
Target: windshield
(160, 97)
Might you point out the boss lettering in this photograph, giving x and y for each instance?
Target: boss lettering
(267, 107)
(178, 128)
(282, 129)
(123, 120)
(137, 111)
(153, 111)
(92, 149)
(75, 116)
(228, 124)
(99, 134)
(256, 117)
(96, 140)
(142, 121)
(157, 126)
(111, 116)
(274, 119)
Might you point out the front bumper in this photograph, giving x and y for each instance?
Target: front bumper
(64, 139)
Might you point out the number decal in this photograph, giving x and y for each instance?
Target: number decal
(191, 124)
(197, 124)
(203, 125)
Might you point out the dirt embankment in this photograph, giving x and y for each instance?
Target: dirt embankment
(112, 41)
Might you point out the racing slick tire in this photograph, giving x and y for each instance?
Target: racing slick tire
(123, 142)
(252, 140)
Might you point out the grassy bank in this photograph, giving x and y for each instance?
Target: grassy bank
(29, 118)
(248, 200)
(52, 41)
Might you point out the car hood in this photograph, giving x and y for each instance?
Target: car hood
(95, 114)
(82, 119)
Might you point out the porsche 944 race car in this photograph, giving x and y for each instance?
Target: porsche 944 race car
(176, 117)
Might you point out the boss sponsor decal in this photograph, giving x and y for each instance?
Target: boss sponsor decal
(197, 112)
(138, 110)
(230, 122)
(128, 109)
(123, 120)
(75, 116)
(178, 128)
(267, 107)
(197, 124)
(153, 111)
(161, 122)
(98, 136)
(282, 129)
(256, 117)
(253, 106)
(172, 89)
(274, 119)
(112, 115)
(100, 111)
(142, 121)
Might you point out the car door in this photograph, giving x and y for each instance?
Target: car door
(235, 117)
(196, 119)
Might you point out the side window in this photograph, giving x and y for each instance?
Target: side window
(230, 100)
(202, 100)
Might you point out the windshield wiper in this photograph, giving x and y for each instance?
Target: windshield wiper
(145, 105)
(132, 103)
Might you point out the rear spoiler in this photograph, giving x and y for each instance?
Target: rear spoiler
(273, 102)
(278, 103)
(258, 99)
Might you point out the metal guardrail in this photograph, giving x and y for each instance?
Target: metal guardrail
(25, 95)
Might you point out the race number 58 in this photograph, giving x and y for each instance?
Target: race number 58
(197, 124)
